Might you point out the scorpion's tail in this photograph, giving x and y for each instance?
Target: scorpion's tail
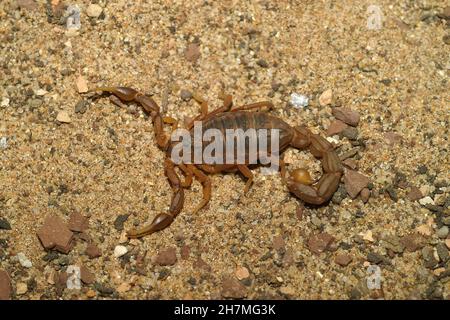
(327, 185)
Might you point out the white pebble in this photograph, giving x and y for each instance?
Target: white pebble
(5, 102)
(40, 92)
(120, 251)
(24, 261)
(426, 200)
(3, 143)
(299, 100)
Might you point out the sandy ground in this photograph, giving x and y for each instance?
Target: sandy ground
(103, 162)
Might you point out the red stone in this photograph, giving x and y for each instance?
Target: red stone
(336, 127)
(232, 288)
(320, 242)
(78, 222)
(5, 286)
(346, 115)
(166, 257)
(54, 234)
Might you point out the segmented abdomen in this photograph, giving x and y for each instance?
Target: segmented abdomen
(251, 125)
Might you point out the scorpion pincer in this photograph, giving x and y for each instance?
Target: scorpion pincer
(254, 116)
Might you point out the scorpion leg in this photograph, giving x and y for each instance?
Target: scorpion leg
(227, 104)
(327, 185)
(163, 220)
(206, 183)
(257, 105)
(248, 174)
(188, 175)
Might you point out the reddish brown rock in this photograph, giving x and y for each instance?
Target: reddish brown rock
(320, 242)
(336, 127)
(350, 163)
(232, 288)
(86, 275)
(278, 243)
(5, 285)
(354, 182)
(346, 115)
(192, 52)
(27, 4)
(93, 251)
(54, 234)
(201, 264)
(78, 222)
(392, 138)
(166, 257)
(365, 195)
(185, 252)
(414, 194)
(343, 259)
(412, 242)
(299, 212)
(288, 258)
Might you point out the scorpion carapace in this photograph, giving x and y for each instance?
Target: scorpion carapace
(254, 116)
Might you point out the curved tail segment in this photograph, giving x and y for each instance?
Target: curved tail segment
(323, 190)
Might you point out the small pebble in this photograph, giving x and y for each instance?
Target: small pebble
(262, 63)
(81, 106)
(346, 115)
(4, 224)
(185, 95)
(93, 251)
(5, 102)
(299, 100)
(326, 97)
(166, 257)
(242, 273)
(287, 290)
(63, 116)
(442, 232)
(81, 85)
(392, 138)
(120, 221)
(192, 53)
(336, 127)
(414, 194)
(94, 10)
(21, 288)
(120, 251)
(343, 259)
(426, 200)
(3, 143)
(123, 287)
(78, 222)
(5, 285)
(424, 230)
(350, 133)
(354, 182)
(365, 195)
(54, 233)
(23, 260)
(320, 242)
(232, 288)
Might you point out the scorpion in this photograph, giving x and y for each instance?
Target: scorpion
(254, 116)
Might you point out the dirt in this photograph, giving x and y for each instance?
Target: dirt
(68, 154)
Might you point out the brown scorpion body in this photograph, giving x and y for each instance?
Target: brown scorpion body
(222, 119)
